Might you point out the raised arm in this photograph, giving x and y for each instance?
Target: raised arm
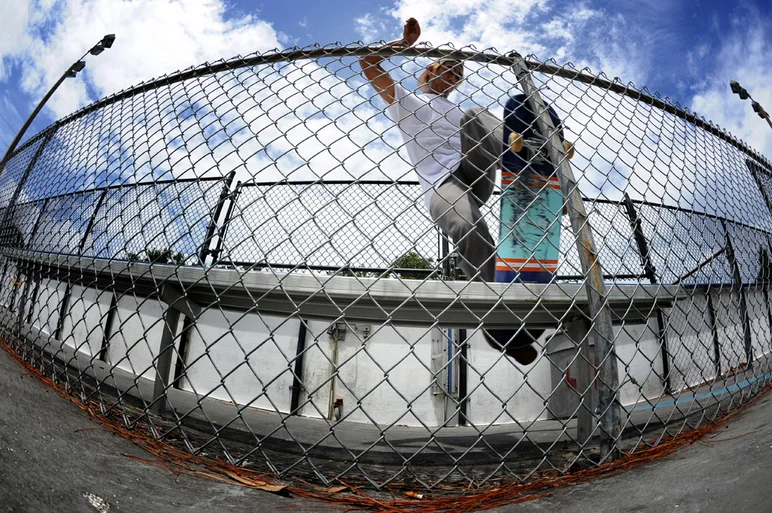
(371, 64)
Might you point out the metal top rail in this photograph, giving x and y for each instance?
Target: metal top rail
(470, 53)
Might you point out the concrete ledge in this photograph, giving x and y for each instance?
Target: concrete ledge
(404, 302)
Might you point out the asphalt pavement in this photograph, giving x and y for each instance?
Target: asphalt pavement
(53, 460)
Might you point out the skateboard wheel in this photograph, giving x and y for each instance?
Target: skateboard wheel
(569, 149)
(515, 142)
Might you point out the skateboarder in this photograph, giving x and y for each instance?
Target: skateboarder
(455, 155)
(456, 174)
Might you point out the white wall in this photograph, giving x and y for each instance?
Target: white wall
(318, 370)
(497, 388)
(690, 342)
(135, 335)
(385, 377)
(84, 323)
(639, 357)
(249, 355)
(761, 334)
(48, 304)
(730, 329)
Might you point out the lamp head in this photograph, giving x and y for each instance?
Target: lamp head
(108, 40)
(739, 90)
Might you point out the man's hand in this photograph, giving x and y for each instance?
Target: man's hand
(371, 64)
(411, 32)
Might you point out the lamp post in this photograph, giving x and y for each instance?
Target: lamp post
(744, 95)
(72, 71)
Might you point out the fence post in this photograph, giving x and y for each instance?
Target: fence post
(212, 229)
(602, 331)
(714, 332)
(755, 169)
(297, 377)
(163, 362)
(90, 225)
(463, 378)
(444, 254)
(226, 222)
(737, 286)
(651, 274)
(9, 209)
(578, 331)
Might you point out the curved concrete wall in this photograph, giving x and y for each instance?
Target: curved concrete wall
(386, 374)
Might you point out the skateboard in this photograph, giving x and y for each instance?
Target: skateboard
(531, 205)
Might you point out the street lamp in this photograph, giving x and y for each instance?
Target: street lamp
(744, 95)
(72, 71)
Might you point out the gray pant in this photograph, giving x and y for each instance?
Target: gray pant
(455, 205)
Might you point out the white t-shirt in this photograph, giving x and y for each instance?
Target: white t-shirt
(430, 126)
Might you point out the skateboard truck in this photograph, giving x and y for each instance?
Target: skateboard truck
(517, 142)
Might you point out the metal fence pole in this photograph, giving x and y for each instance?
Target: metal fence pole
(737, 286)
(602, 331)
(163, 362)
(444, 254)
(225, 194)
(180, 367)
(578, 331)
(9, 210)
(651, 274)
(755, 169)
(297, 376)
(463, 378)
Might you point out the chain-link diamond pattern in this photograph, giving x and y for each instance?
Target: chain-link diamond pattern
(238, 256)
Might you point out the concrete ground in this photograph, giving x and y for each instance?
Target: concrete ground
(53, 460)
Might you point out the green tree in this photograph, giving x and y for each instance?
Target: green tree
(412, 260)
(159, 256)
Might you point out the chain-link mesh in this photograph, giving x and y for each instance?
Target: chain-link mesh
(239, 256)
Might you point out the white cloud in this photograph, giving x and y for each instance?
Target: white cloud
(743, 56)
(154, 37)
(587, 36)
(13, 37)
(369, 27)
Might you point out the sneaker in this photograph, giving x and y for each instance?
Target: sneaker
(517, 344)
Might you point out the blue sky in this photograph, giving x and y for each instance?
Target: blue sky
(687, 51)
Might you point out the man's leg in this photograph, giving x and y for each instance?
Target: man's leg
(458, 215)
(481, 144)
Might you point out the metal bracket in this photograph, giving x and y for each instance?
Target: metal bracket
(339, 329)
(178, 300)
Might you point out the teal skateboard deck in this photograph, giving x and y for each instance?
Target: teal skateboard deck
(529, 232)
(531, 204)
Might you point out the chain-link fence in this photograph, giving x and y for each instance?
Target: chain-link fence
(239, 256)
